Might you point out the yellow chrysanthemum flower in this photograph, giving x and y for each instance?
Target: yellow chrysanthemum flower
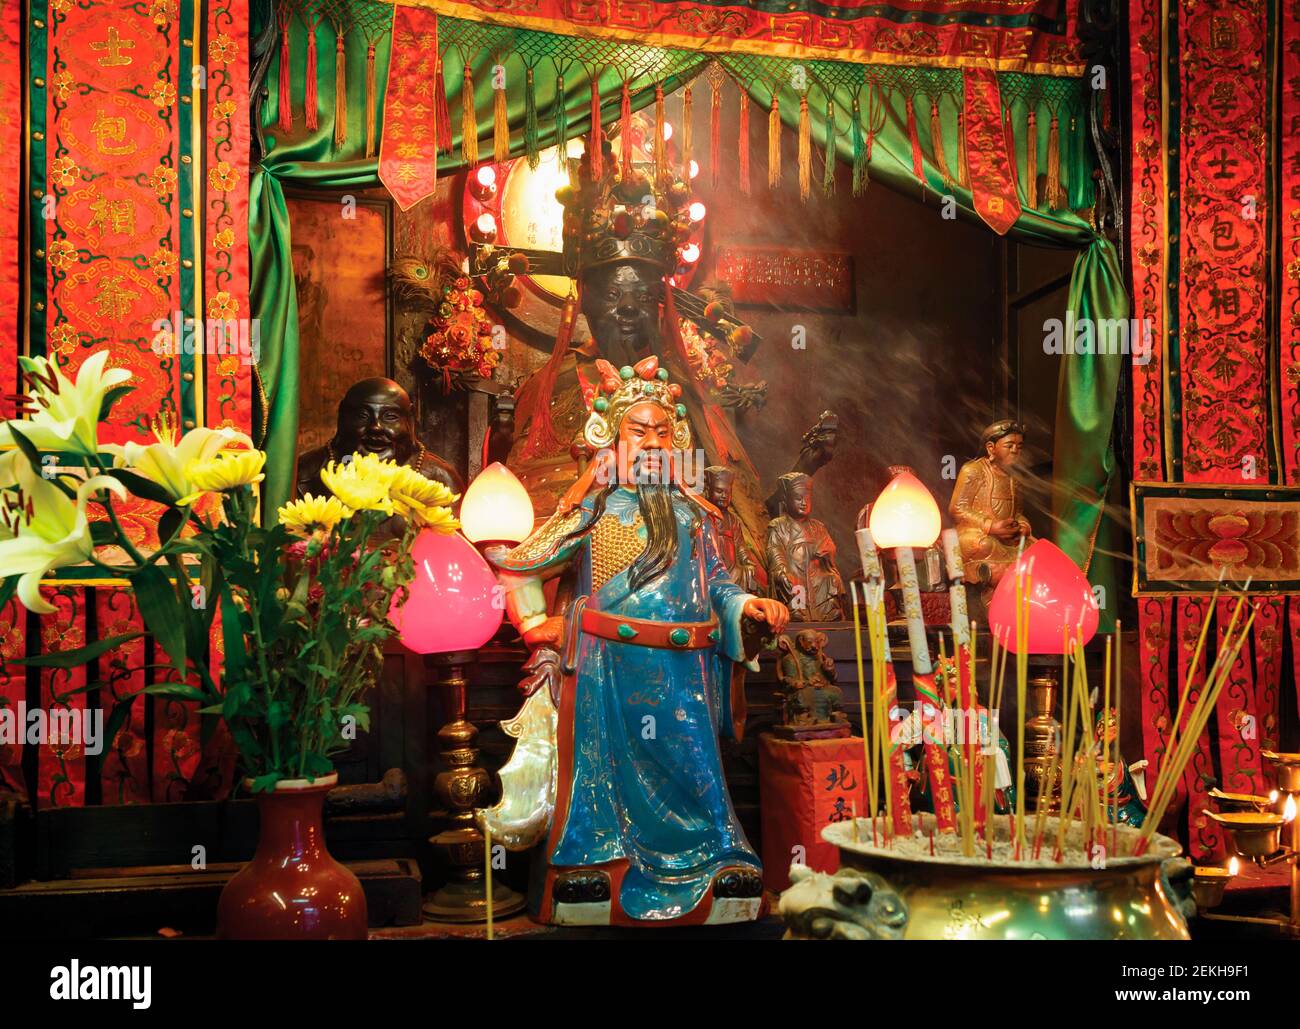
(439, 519)
(411, 490)
(361, 483)
(310, 513)
(226, 469)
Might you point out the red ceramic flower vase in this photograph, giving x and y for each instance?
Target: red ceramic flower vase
(293, 889)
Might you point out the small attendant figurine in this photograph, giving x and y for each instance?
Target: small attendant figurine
(733, 543)
(1125, 783)
(800, 557)
(987, 506)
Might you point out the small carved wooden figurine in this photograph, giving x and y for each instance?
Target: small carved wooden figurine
(800, 556)
(812, 705)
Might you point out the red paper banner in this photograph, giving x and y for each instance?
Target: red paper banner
(992, 176)
(408, 152)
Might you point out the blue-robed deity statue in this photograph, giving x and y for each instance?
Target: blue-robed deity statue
(616, 779)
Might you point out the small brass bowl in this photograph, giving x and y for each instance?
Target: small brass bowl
(1255, 834)
(1208, 884)
(1230, 802)
(1288, 770)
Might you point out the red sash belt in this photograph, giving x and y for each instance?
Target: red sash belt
(647, 633)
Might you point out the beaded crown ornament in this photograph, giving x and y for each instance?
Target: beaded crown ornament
(623, 388)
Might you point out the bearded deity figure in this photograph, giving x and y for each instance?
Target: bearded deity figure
(987, 506)
(375, 417)
(622, 235)
(617, 772)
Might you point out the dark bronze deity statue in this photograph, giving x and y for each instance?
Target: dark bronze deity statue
(987, 506)
(812, 704)
(800, 557)
(619, 250)
(734, 547)
(375, 417)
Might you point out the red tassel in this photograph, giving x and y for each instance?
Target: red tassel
(534, 401)
(743, 148)
(442, 114)
(595, 159)
(311, 103)
(715, 134)
(625, 130)
(286, 96)
(918, 165)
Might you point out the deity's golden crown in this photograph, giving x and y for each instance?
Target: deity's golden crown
(622, 217)
(623, 388)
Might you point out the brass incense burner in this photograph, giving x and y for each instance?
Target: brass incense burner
(901, 892)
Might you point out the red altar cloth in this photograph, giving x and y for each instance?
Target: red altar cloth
(803, 787)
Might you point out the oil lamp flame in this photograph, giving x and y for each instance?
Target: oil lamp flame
(1234, 866)
(1288, 809)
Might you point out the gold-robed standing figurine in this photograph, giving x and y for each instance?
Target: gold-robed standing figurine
(987, 506)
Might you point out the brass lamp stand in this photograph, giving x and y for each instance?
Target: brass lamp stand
(461, 787)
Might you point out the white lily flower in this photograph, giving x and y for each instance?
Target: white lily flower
(67, 413)
(165, 461)
(56, 534)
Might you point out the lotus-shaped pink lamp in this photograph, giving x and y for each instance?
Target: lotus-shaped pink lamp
(454, 604)
(1060, 598)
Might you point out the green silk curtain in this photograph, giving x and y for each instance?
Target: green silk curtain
(1084, 460)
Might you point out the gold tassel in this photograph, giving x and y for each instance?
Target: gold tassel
(340, 93)
(468, 120)
(774, 144)
(370, 100)
(1031, 160)
(805, 150)
(1055, 198)
(742, 149)
(500, 126)
(661, 147)
(686, 135)
(963, 170)
(936, 143)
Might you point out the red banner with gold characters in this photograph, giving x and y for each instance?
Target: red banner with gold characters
(992, 169)
(1224, 211)
(1037, 36)
(408, 152)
